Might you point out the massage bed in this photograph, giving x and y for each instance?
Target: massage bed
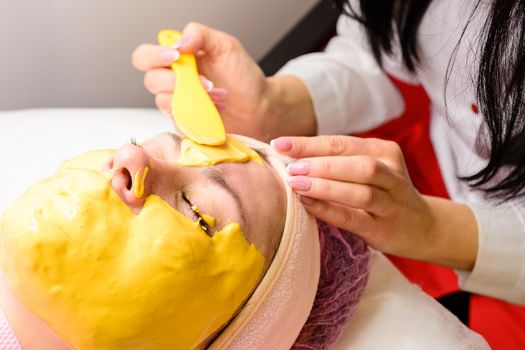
(393, 313)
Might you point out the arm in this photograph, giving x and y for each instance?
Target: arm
(453, 235)
(249, 103)
(288, 107)
(362, 185)
(349, 91)
(484, 242)
(499, 270)
(341, 90)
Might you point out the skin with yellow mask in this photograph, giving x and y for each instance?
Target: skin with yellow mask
(129, 249)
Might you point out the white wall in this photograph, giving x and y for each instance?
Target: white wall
(76, 53)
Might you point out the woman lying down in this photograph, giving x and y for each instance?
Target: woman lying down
(153, 247)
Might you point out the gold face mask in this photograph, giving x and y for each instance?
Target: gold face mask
(104, 278)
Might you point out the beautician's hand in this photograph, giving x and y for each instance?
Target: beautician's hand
(362, 185)
(249, 103)
(238, 82)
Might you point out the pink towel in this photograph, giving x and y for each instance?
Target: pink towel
(8, 339)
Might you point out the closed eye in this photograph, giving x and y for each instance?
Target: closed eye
(197, 215)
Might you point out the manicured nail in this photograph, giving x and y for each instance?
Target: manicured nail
(168, 55)
(307, 200)
(299, 183)
(218, 94)
(298, 168)
(180, 44)
(221, 108)
(282, 144)
(208, 84)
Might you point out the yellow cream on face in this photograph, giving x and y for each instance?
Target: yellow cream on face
(194, 154)
(104, 278)
(140, 179)
(208, 219)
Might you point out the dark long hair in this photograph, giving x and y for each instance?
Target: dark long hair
(500, 80)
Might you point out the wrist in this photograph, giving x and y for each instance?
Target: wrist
(287, 108)
(452, 234)
(271, 108)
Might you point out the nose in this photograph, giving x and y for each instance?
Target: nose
(131, 165)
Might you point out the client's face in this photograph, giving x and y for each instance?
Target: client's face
(130, 257)
(245, 193)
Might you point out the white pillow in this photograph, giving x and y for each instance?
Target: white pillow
(33, 143)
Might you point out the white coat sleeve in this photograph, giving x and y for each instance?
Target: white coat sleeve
(499, 270)
(349, 91)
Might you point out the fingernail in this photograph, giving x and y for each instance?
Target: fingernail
(282, 144)
(180, 43)
(307, 200)
(299, 183)
(208, 84)
(298, 168)
(218, 93)
(220, 108)
(168, 55)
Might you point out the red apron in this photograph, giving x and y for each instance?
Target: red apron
(502, 324)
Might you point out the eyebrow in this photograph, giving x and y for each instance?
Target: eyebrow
(176, 138)
(217, 178)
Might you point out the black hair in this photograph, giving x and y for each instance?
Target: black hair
(500, 80)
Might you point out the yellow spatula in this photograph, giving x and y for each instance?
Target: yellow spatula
(191, 106)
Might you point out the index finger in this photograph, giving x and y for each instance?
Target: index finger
(351, 169)
(326, 145)
(148, 56)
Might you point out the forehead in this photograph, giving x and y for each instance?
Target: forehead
(165, 146)
(168, 146)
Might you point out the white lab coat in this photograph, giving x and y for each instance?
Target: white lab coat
(350, 94)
